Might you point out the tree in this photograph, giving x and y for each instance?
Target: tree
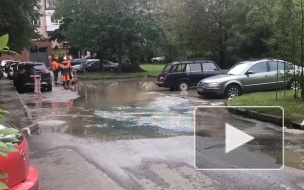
(119, 30)
(16, 19)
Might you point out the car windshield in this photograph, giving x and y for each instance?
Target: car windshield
(238, 69)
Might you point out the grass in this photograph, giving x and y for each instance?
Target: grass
(288, 102)
(152, 70)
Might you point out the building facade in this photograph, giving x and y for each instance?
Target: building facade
(41, 50)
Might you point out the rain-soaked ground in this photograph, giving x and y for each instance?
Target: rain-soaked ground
(132, 109)
(116, 110)
(130, 134)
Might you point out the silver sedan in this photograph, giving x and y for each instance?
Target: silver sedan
(250, 76)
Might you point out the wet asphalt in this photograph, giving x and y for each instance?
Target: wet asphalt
(130, 134)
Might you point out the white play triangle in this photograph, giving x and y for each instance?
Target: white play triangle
(235, 138)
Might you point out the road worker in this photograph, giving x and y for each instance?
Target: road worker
(69, 63)
(55, 69)
(65, 72)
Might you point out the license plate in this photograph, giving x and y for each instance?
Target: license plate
(200, 89)
(161, 78)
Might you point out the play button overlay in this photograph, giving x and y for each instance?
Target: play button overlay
(235, 138)
(238, 138)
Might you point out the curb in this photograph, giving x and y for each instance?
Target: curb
(28, 130)
(277, 120)
(27, 110)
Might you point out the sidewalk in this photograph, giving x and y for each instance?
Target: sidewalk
(10, 102)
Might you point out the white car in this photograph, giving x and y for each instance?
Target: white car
(157, 59)
(4, 62)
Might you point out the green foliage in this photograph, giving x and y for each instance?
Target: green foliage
(3, 45)
(16, 19)
(6, 145)
(119, 30)
(153, 69)
(289, 104)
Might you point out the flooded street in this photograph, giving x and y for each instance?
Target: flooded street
(116, 110)
(130, 134)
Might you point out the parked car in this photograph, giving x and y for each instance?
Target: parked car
(20, 174)
(247, 76)
(157, 59)
(94, 65)
(5, 61)
(7, 66)
(184, 74)
(76, 62)
(109, 65)
(78, 68)
(12, 69)
(26, 73)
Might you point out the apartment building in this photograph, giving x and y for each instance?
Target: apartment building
(47, 23)
(42, 50)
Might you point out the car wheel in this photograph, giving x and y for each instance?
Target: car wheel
(183, 86)
(294, 85)
(232, 91)
(20, 89)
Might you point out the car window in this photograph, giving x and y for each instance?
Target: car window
(209, 67)
(259, 68)
(36, 66)
(179, 68)
(196, 67)
(274, 65)
(166, 69)
(188, 69)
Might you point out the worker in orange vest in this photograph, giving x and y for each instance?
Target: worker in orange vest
(55, 69)
(69, 63)
(65, 68)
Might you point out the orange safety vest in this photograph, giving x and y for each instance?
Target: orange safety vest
(54, 66)
(65, 68)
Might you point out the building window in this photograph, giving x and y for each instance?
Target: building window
(50, 4)
(55, 21)
(36, 23)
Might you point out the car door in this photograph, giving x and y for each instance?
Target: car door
(96, 66)
(276, 74)
(258, 79)
(106, 64)
(196, 73)
(210, 69)
(177, 73)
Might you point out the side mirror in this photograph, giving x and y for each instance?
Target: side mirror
(216, 69)
(249, 73)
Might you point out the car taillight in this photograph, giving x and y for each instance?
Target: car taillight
(22, 71)
(47, 71)
(165, 76)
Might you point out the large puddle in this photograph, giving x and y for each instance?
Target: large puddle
(123, 109)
